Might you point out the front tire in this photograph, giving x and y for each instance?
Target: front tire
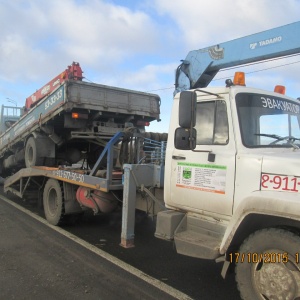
(53, 202)
(271, 268)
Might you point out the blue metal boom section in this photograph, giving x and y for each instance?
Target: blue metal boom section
(200, 66)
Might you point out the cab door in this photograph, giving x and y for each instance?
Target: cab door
(203, 179)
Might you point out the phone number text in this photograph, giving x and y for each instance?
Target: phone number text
(279, 182)
(69, 175)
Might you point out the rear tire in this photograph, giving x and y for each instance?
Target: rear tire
(270, 268)
(32, 154)
(53, 202)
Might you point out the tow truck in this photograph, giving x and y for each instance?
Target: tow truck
(224, 187)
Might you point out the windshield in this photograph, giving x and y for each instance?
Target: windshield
(267, 121)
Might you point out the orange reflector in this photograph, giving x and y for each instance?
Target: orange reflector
(239, 78)
(78, 115)
(279, 89)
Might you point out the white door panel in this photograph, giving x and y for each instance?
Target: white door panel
(203, 182)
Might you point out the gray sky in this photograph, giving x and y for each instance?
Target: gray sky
(132, 44)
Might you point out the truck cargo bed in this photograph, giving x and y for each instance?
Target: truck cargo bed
(111, 106)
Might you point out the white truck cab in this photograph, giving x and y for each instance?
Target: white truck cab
(232, 183)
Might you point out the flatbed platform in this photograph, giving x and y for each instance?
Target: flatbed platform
(18, 183)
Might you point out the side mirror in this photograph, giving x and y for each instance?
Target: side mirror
(185, 139)
(186, 134)
(187, 109)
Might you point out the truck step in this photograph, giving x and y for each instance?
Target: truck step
(199, 238)
(198, 245)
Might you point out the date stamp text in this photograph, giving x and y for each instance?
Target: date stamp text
(266, 257)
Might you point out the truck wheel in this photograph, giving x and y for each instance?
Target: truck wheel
(53, 202)
(32, 155)
(268, 265)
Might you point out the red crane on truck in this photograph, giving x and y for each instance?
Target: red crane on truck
(73, 71)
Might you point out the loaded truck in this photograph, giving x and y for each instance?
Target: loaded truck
(225, 186)
(69, 120)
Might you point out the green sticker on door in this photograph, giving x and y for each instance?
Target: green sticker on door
(203, 177)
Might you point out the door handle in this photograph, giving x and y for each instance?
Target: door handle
(177, 157)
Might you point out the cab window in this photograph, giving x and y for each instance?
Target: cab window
(212, 123)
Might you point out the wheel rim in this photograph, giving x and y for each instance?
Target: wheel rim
(278, 279)
(52, 202)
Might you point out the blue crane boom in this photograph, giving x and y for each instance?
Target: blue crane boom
(200, 66)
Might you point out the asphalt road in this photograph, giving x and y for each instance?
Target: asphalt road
(36, 261)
